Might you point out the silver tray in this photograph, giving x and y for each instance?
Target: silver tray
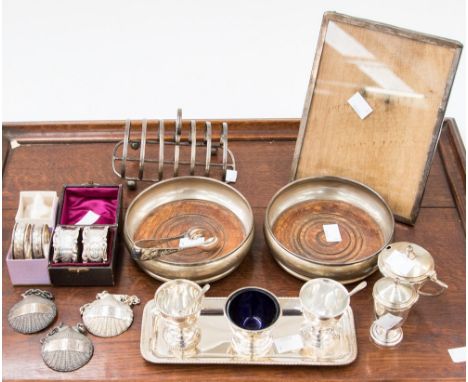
(215, 347)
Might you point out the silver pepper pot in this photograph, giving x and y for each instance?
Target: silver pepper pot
(392, 304)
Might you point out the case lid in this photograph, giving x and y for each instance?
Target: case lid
(90, 204)
(374, 108)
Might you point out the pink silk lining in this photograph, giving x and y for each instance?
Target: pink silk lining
(77, 201)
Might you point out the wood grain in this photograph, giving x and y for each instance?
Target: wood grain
(453, 157)
(300, 230)
(175, 218)
(390, 150)
(435, 324)
(112, 131)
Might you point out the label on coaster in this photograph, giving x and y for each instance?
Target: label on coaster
(289, 343)
(388, 321)
(186, 242)
(458, 354)
(360, 105)
(400, 263)
(332, 233)
(89, 218)
(231, 176)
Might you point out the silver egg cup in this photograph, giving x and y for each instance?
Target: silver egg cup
(178, 305)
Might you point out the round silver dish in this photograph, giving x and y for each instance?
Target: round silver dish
(328, 189)
(190, 188)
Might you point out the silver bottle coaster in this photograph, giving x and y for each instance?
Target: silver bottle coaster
(109, 315)
(34, 313)
(66, 348)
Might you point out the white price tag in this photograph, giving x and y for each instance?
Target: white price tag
(289, 343)
(458, 354)
(186, 242)
(332, 233)
(89, 218)
(388, 321)
(231, 176)
(360, 105)
(400, 263)
(14, 144)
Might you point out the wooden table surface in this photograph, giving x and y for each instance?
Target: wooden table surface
(51, 155)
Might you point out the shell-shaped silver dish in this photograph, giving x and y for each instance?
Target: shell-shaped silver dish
(66, 348)
(107, 316)
(32, 314)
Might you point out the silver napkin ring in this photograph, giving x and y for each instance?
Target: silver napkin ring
(21, 246)
(65, 242)
(40, 241)
(95, 244)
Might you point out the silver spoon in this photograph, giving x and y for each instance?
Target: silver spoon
(203, 291)
(357, 288)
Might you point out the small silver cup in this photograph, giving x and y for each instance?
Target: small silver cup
(323, 303)
(252, 313)
(178, 304)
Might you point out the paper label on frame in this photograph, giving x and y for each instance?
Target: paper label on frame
(458, 354)
(332, 233)
(89, 218)
(360, 105)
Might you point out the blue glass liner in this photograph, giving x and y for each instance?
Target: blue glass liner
(252, 309)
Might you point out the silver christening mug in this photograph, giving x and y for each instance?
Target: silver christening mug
(178, 305)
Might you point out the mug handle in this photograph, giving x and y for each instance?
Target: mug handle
(435, 280)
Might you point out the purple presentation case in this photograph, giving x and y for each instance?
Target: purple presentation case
(76, 201)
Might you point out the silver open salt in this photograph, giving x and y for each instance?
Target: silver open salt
(109, 315)
(66, 348)
(34, 313)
